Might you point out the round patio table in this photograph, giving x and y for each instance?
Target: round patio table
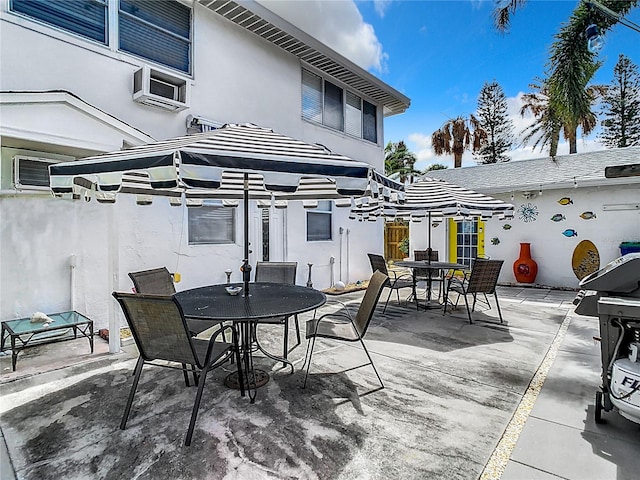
(266, 300)
(430, 266)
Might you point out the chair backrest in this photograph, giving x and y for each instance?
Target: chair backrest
(157, 281)
(424, 255)
(276, 272)
(368, 305)
(484, 275)
(158, 327)
(378, 263)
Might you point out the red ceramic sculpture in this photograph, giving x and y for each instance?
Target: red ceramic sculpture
(525, 268)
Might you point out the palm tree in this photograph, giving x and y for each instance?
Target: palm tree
(551, 120)
(456, 136)
(503, 11)
(398, 159)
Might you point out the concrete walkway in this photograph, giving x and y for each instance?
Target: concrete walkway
(551, 434)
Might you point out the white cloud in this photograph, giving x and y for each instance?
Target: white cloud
(381, 6)
(337, 24)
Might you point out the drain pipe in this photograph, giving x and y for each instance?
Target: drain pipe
(347, 282)
(72, 265)
(340, 231)
(332, 261)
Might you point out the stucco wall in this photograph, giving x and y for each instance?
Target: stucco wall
(552, 250)
(237, 78)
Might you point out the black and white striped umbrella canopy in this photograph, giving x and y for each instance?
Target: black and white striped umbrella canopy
(214, 164)
(436, 198)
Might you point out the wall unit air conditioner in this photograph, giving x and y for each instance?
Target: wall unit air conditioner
(162, 90)
(31, 173)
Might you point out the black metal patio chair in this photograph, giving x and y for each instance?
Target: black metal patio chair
(395, 281)
(159, 281)
(341, 325)
(279, 272)
(483, 278)
(161, 333)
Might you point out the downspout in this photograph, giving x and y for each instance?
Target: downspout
(72, 265)
(340, 231)
(332, 261)
(347, 282)
(112, 281)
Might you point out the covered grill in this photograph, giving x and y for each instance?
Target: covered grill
(613, 295)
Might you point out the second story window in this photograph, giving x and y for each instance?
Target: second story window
(87, 18)
(159, 31)
(328, 104)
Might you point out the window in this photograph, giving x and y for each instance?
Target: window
(211, 223)
(319, 222)
(87, 18)
(467, 241)
(158, 30)
(328, 104)
(31, 173)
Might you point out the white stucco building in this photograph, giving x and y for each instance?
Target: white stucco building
(558, 203)
(77, 82)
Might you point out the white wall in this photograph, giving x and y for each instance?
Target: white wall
(237, 78)
(552, 250)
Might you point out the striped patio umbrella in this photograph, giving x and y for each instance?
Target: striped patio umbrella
(230, 163)
(430, 197)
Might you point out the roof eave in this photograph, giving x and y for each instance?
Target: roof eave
(261, 21)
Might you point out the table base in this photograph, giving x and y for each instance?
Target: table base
(260, 378)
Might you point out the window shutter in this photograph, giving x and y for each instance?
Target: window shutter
(311, 96)
(211, 224)
(353, 115)
(87, 18)
(159, 31)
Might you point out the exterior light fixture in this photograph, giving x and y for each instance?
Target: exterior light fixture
(595, 41)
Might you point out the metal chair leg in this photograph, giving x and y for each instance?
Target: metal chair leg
(466, 302)
(495, 294)
(387, 302)
(196, 406)
(136, 378)
(313, 344)
(371, 362)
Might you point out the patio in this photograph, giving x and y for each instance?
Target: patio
(461, 401)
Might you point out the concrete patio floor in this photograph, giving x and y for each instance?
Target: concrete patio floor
(511, 401)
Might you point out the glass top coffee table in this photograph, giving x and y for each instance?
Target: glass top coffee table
(24, 333)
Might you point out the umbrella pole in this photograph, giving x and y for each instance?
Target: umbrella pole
(246, 267)
(429, 238)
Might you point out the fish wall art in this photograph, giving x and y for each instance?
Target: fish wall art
(506, 226)
(587, 215)
(558, 217)
(565, 201)
(570, 232)
(495, 241)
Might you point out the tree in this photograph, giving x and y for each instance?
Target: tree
(398, 159)
(621, 106)
(456, 136)
(572, 65)
(435, 166)
(493, 119)
(545, 130)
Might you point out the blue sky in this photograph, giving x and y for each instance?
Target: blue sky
(440, 53)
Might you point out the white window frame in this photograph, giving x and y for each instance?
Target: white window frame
(346, 94)
(325, 207)
(229, 239)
